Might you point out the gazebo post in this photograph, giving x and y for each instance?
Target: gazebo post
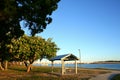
(63, 58)
(52, 66)
(63, 70)
(75, 66)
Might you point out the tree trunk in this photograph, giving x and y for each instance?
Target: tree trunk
(29, 67)
(1, 67)
(25, 63)
(6, 65)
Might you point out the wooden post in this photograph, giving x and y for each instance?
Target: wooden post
(63, 67)
(52, 66)
(6, 65)
(75, 66)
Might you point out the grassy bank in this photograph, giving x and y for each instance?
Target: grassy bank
(44, 73)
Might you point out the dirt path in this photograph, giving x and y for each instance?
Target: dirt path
(107, 76)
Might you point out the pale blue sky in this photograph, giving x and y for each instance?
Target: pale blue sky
(93, 26)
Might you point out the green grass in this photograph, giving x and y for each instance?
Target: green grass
(116, 77)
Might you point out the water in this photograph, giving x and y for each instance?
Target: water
(105, 66)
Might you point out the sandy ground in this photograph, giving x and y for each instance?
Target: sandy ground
(106, 76)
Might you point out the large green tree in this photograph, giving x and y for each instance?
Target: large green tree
(28, 49)
(9, 26)
(36, 15)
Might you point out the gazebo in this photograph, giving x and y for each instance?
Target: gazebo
(63, 58)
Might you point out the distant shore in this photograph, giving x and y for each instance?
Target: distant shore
(106, 62)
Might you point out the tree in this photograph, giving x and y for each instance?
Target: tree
(9, 21)
(28, 49)
(35, 14)
(50, 48)
(38, 13)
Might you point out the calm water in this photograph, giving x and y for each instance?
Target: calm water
(106, 66)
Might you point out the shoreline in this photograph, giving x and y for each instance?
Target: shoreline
(103, 68)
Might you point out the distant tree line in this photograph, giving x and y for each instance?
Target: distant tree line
(105, 62)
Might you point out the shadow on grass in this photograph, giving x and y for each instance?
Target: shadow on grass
(21, 70)
(18, 68)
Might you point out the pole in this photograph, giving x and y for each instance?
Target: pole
(75, 66)
(52, 66)
(79, 57)
(63, 67)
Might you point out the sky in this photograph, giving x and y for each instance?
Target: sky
(93, 26)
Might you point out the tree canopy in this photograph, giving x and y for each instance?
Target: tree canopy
(29, 49)
(35, 13)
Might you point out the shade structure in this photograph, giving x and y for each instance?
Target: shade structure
(63, 58)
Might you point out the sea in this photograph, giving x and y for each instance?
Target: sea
(94, 66)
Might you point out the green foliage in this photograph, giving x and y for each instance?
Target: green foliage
(32, 48)
(35, 13)
(9, 21)
(50, 47)
(38, 13)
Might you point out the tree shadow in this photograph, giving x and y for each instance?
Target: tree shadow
(112, 76)
(18, 69)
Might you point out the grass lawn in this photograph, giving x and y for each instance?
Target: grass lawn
(44, 73)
